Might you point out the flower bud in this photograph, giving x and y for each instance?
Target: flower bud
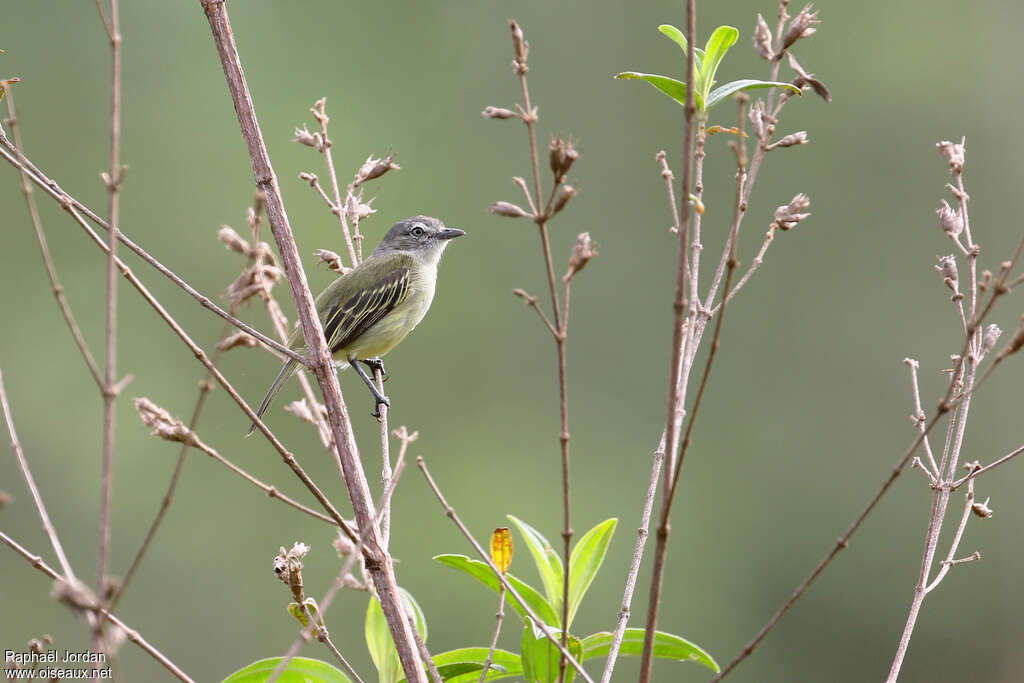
(508, 209)
(947, 266)
(564, 195)
(375, 168)
(791, 140)
(498, 113)
(582, 252)
(304, 137)
(232, 240)
(991, 336)
(763, 38)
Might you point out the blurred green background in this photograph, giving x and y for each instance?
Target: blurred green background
(806, 413)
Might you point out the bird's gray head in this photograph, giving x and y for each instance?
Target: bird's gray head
(421, 235)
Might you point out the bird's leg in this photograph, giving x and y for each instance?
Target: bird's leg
(375, 364)
(380, 398)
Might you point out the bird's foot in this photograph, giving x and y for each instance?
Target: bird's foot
(375, 364)
(380, 400)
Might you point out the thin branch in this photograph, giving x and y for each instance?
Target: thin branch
(544, 628)
(8, 152)
(379, 562)
(37, 498)
(355, 249)
(679, 336)
(498, 618)
(385, 453)
(981, 470)
(131, 634)
(634, 566)
(113, 180)
(919, 416)
(955, 544)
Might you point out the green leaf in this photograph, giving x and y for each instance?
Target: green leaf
(680, 39)
(718, 44)
(721, 93)
(299, 670)
(485, 575)
(585, 561)
(666, 646)
(549, 565)
(470, 660)
(540, 657)
(670, 86)
(378, 637)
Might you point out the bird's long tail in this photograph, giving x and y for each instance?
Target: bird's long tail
(287, 370)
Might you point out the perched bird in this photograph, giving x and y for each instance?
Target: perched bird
(368, 310)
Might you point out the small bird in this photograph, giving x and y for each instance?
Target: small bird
(367, 311)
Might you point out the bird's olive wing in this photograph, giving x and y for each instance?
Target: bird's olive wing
(346, 321)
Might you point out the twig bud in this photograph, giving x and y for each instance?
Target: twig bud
(237, 339)
(763, 38)
(331, 259)
(791, 140)
(304, 137)
(498, 113)
(582, 252)
(802, 26)
(991, 336)
(951, 221)
(788, 215)
(164, 425)
(232, 240)
(521, 47)
(954, 153)
(508, 209)
(566, 193)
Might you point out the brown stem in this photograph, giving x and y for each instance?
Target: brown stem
(379, 563)
(129, 633)
(679, 308)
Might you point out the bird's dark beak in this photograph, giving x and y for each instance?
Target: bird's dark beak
(450, 233)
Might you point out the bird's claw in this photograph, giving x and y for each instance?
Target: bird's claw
(381, 401)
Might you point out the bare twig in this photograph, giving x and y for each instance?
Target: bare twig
(9, 153)
(498, 618)
(672, 425)
(379, 563)
(131, 634)
(113, 179)
(37, 498)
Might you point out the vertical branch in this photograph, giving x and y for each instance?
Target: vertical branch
(379, 562)
(386, 473)
(672, 426)
(110, 390)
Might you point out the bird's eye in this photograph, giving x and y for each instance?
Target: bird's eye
(417, 231)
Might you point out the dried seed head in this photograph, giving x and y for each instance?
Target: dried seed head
(804, 79)
(343, 545)
(566, 193)
(763, 38)
(991, 336)
(951, 221)
(237, 339)
(791, 140)
(954, 153)
(232, 240)
(331, 259)
(802, 26)
(165, 426)
(304, 137)
(788, 215)
(982, 509)
(498, 113)
(301, 410)
(375, 168)
(556, 155)
(582, 252)
(288, 567)
(508, 209)
(947, 266)
(356, 208)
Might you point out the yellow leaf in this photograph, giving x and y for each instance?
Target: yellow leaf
(501, 548)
